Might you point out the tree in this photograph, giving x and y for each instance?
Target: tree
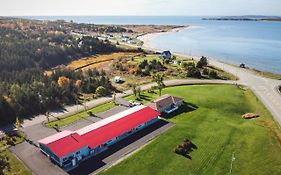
(159, 78)
(213, 74)
(101, 91)
(134, 89)
(48, 116)
(138, 89)
(205, 71)
(193, 72)
(78, 83)
(18, 124)
(63, 81)
(114, 97)
(202, 62)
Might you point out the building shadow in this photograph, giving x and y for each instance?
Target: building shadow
(96, 162)
(185, 108)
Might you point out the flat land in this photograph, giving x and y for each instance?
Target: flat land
(81, 115)
(14, 165)
(211, 119)
(98, 61)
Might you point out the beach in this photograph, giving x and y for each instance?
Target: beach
(265, 89)
(146, 38)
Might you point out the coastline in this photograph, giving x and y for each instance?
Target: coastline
(146, 39)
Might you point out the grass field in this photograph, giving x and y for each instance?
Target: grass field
(15, 166)
(80, 115)
(98, 60)
(218, 131)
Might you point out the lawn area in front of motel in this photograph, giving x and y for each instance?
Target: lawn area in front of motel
(78, 116)
(211, 119)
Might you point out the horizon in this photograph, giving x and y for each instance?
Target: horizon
(139, 8)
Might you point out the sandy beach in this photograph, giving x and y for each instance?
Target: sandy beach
(146, 38)
(264, 88)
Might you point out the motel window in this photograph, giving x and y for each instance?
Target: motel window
(78, 152)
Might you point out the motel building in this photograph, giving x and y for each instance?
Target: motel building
(68, 148)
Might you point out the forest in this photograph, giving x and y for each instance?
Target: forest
(27, 49)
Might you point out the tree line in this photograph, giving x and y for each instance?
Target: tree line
(25, 90)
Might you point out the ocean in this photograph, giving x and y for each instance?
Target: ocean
(256, 44)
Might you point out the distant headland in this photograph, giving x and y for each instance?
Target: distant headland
(245, 18)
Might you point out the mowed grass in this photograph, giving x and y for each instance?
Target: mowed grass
(218, 131)
(78, 116)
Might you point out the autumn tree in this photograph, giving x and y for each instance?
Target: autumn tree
(63, 81)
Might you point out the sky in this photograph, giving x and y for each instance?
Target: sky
(139, 7)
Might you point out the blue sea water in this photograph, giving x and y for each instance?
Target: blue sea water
(257, 44)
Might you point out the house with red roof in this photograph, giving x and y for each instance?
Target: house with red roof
(69, 148)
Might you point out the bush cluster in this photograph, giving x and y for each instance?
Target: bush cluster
(184, 148)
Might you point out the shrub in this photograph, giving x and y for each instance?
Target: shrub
(101, 91)
(205, 71)
(213, 74)
(193, 72)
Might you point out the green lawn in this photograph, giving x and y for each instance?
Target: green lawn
(15, 167)
(218, 131)
(84, 114)
(147, 57)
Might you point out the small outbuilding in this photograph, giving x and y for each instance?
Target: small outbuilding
(166, 104)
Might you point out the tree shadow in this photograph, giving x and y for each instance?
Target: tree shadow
(184, 108)
(186, 153)
(144, 97)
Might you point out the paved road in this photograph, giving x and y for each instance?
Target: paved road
(264, 88)
(73, 109)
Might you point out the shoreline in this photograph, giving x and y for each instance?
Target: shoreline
(146, 39)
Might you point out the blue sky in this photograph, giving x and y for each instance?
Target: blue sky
(140, 7)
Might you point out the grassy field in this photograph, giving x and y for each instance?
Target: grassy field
(98, 61)
(80, 115)
(218, 131)
(15, 167)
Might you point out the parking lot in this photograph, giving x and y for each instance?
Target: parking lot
(40, 164)
(121, 149)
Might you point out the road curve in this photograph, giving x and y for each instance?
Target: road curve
(265, 89)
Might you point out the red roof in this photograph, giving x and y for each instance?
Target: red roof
(92, 139)
(67, 145)
(118, 127)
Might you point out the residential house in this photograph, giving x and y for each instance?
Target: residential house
(166, 55)
(166, 103)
